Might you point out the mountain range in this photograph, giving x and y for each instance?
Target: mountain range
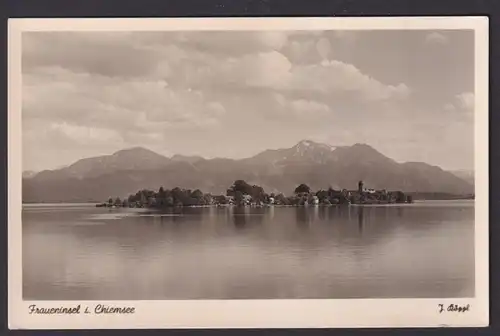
(278, 170)
(464, 174)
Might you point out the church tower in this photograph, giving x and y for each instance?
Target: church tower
(360, 187)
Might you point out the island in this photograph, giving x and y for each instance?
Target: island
(241, 193)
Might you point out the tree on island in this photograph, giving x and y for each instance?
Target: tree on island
(142, 198)
(400, 197)
(281, 200)
(179, 196)
(258, 194)
(197, 194)
(303, 188)
(161, 197)
(220, 199)
(207, 199)
(238, 197)
(241, 186)
(322, 195)
(168, 198)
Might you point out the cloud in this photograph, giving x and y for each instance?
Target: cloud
(110, 91)
(301, 108)
(94, 111)
(231, 43)
(463, 103)
(216, 109)
(203, 60)
(336, 76)
(193, 59)
(131, 54)
(265, 70)
(449, 107)
(466, 100)
(323, 47)
(180, 91)
(274, 71)
(309, 108)
(94, 53)
(436, 38)
(86, 135)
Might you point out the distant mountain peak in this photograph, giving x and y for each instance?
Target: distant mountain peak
(134, 150)
(313, 145)
(310, 151)
(361, 144)
(138, 154)
(126, 159)
(306, 143)
(29, 173)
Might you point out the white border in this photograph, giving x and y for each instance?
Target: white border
(252, 313)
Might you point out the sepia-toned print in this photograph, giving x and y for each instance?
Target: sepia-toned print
(253, 168)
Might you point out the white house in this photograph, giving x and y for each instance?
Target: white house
(315, 200)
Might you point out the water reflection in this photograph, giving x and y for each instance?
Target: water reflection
(243, 217)
(360, 218)
(302, 218)
(400, 211)
(248, 253)
(240, 217)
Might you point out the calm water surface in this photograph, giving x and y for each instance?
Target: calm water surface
(79, 252)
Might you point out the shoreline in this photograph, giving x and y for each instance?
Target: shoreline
(94, 204)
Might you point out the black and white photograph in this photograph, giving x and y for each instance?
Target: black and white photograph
(272, 163)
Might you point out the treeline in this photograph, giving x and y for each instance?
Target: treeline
(163, 198)
(242, 193)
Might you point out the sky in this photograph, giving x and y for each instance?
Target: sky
(408, 94)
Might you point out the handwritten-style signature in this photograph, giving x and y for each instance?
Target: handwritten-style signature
(453, 308)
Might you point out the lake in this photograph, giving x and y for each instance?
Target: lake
(80, 252)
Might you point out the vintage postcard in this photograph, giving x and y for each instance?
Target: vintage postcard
(248, 172)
